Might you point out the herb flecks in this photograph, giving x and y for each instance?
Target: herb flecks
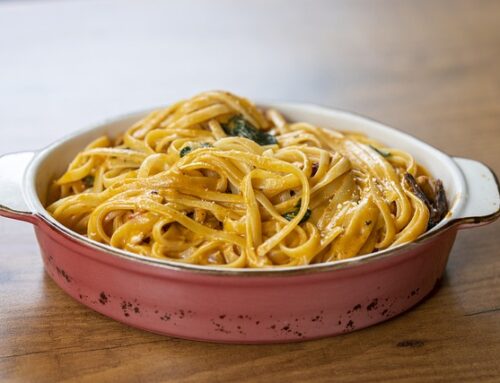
(383, 153)
(88, 181)
(289, 215)
(237, 126)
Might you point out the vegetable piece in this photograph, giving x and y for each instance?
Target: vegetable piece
(427, 186)
(185, 150)
(437, 207)
(289, 215)
(440, 204)
(188, 149)
(417, 190)
(237, 126)
(383, 153)
(88, 181)
(314, 169)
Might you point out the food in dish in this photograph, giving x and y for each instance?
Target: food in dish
(215, 181)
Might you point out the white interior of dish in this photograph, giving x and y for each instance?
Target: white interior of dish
(51, 162)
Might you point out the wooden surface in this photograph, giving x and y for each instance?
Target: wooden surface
(430, 68)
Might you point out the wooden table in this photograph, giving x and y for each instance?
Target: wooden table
(430, 68)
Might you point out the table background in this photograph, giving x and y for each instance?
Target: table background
(429, 68)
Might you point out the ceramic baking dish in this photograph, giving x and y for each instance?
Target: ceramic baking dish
(246, 305)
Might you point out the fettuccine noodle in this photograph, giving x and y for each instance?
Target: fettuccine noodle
(214, 181)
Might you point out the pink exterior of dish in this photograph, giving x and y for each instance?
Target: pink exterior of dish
(248, 306)
(244, 309)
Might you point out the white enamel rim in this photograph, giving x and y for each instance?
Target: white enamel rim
(453, 219)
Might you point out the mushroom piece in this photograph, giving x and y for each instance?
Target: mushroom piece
(435, 198)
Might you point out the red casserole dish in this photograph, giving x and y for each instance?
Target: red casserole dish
(247, 305)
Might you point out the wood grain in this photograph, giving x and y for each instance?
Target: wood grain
(430, 68)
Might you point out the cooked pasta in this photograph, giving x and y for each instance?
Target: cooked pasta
(213, 180)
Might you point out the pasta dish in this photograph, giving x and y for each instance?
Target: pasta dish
(213, 180)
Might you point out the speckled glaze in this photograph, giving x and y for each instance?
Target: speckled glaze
(244, 309)
(248, 306)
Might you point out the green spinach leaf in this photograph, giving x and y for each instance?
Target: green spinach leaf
(237, 126)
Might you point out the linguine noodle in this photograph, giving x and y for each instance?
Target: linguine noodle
(214, 181)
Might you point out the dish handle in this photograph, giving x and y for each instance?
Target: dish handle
(12, 199)
(482, 202)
